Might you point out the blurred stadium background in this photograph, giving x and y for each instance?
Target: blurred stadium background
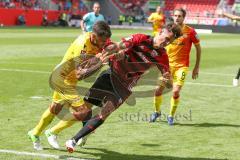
(208, 125)
(51, 12)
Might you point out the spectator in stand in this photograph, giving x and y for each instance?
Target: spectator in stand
(6, 3)
(45, 19)
(21, 20)
(68, 5)
(36, 5)
(130, 20)
(143, 19)
(121, 19)
(109, 20)
(63, 20)
(60, 6)
(81, 5)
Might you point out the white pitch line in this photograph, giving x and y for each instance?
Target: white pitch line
(39, 155)
(203, 84)
(24, 70)
(28, 63)
(210, 84)
(218, 74)
(36, 97)
(49, 64)
(191, 83)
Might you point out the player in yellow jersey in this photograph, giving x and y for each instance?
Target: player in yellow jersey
(178, 53)
(86, 49)
(157, 19)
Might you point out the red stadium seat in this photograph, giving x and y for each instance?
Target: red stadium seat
(192, 6)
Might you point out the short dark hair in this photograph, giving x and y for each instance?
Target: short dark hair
(102, 29)
(181, 10)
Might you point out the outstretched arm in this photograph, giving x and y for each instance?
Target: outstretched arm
(197, 64)
(92, 64)
(82, 26)
(122, 47)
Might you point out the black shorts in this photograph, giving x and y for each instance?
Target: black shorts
(106, 88)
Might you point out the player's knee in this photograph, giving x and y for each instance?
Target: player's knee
(176, 93)
(108, 108)
(158, 91)
(82, 113)
(55, 108)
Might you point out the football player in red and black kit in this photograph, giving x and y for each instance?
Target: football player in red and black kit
(136, 54)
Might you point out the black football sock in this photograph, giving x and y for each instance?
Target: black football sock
(90, 126)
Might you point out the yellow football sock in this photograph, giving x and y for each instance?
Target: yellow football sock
(61, 126)
(157, 103)
(174, 104)
(45, 120)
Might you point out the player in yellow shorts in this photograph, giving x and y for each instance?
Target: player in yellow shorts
(178, 53)
(74, 66)
(179, 75)
(158, 20)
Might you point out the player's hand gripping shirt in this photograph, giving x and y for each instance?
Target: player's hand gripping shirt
(139, 57)
(80, 50)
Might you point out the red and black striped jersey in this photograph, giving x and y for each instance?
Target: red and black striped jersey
(139, 57)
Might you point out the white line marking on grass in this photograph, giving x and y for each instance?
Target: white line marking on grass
(24, 70)
(36, 97)
(191, 83)
(28, 63)
(201, 84)
(217, 74)
(48, 64)
(35, 71)
(40, 155)
(210, 84)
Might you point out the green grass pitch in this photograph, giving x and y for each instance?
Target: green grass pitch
(207, 126)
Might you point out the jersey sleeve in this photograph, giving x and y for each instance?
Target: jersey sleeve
(194, 37)
(151, 17)
(134, 40)
(86, 17)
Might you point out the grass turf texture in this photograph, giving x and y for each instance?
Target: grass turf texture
(207, 125)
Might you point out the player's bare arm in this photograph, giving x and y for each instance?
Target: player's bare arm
(92, 64)
(197, 64)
